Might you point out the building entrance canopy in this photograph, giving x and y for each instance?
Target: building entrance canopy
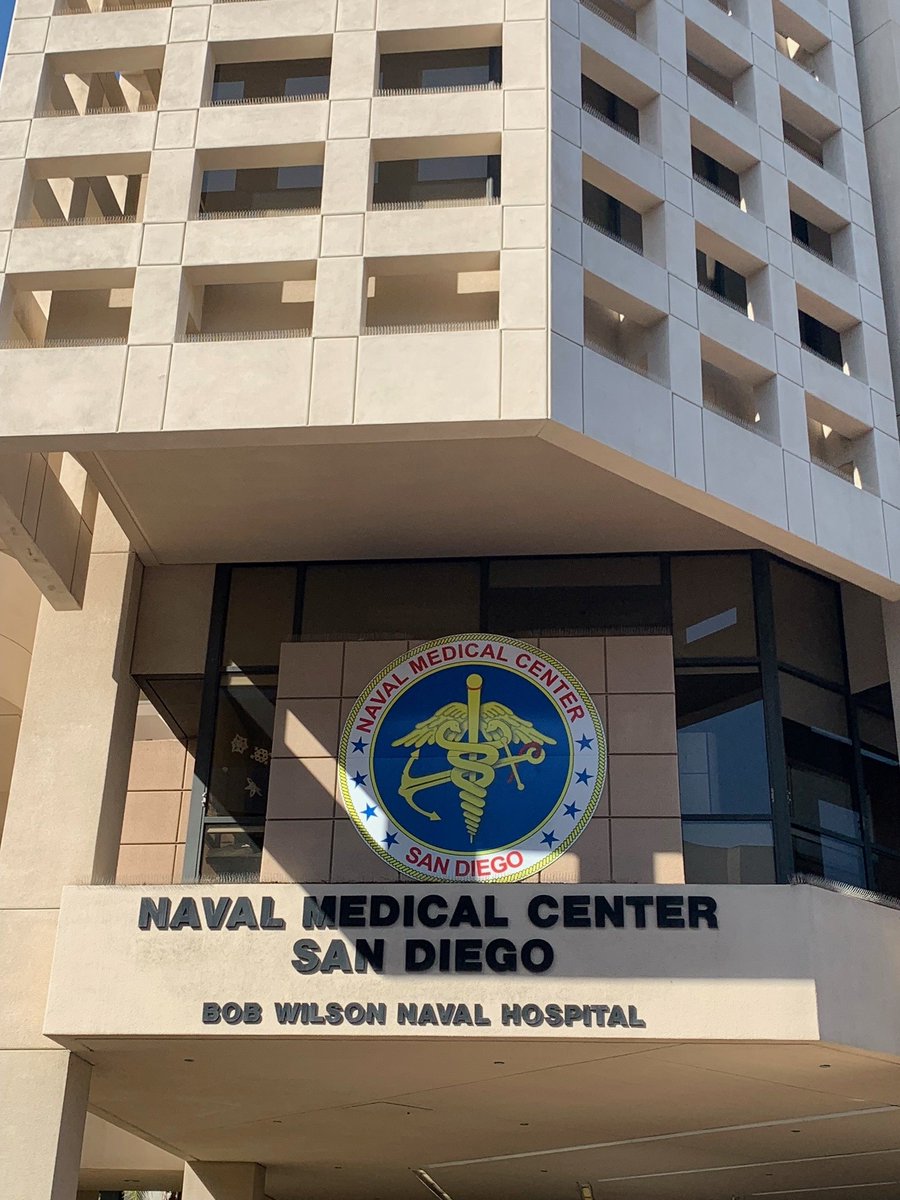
(519, 961)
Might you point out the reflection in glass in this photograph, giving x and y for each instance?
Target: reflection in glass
(712, 607)
(260, 615)
(887, 875)
(819, 757)
(239, 781)
(530, 597)
(728, 852)
(230, 851)
(881, 778)
(808, 631)
(722, 761)
(347, 602)
(830, 859)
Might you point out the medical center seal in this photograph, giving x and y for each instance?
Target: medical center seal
(472, 759)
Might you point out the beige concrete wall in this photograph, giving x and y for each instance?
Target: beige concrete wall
(47, 512)
(154, 826)
(62, 825)
(19, 602)
(635, 836)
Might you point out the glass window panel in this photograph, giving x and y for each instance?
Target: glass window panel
(229, 851)
(462, 167)
(877, 731)
(713, 614)
(887, 875)
(307, 85)
(242, 748)
(308, 176)
(576, 595)
(807, 622)
(219, 181)
(728, 852)
(260, 615)
(867, 662)
(819, 757)
(228, 90)
(881, 779)
(723, 765)
(829, 859)
(390, 600)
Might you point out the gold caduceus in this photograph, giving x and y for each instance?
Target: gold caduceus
(473, 763)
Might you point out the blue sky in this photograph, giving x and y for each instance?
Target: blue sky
(6, 10)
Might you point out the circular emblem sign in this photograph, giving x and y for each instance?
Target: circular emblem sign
(472, 759)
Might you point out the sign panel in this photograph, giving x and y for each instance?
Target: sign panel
(472, 759)
(295, 960)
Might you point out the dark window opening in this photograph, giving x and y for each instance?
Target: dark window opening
(531, 597)
(434, 70)
(437, 180)
(601, 102)
(244, 83)
(710, 171)
(710, 78)
(821, 339)
(808, 145)
(812, 236)
(612, 216)
(721, 281)
(261, 189)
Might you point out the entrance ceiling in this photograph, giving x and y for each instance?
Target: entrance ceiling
(394, 499)
(351, 1119)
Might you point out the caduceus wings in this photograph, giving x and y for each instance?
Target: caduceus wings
(449, 721)
(498, 724)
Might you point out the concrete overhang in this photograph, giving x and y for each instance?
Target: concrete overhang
(428, 491)
(768, 1064)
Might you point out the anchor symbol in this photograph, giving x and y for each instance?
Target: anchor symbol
(473, 763)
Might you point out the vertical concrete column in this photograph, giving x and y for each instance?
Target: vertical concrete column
(223, 1181)
(65, 810)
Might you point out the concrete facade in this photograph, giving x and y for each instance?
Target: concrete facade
(329, 329)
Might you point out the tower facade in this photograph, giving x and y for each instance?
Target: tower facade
(456, 445)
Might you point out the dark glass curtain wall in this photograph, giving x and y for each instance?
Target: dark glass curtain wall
(786, 746)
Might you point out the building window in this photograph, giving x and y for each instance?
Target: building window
(566, 596)
(723, 764)
(821, 339)
(721, 281)
(601, 102)
(728, 852)
(710, 78)
(787, 752)
(438, 70)
(713, 610)
(421, 181)
(710, 171)
(381, 601)
(255, 82)
(813, 237)
(612, 217)
(807, 622)
(809, 146)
